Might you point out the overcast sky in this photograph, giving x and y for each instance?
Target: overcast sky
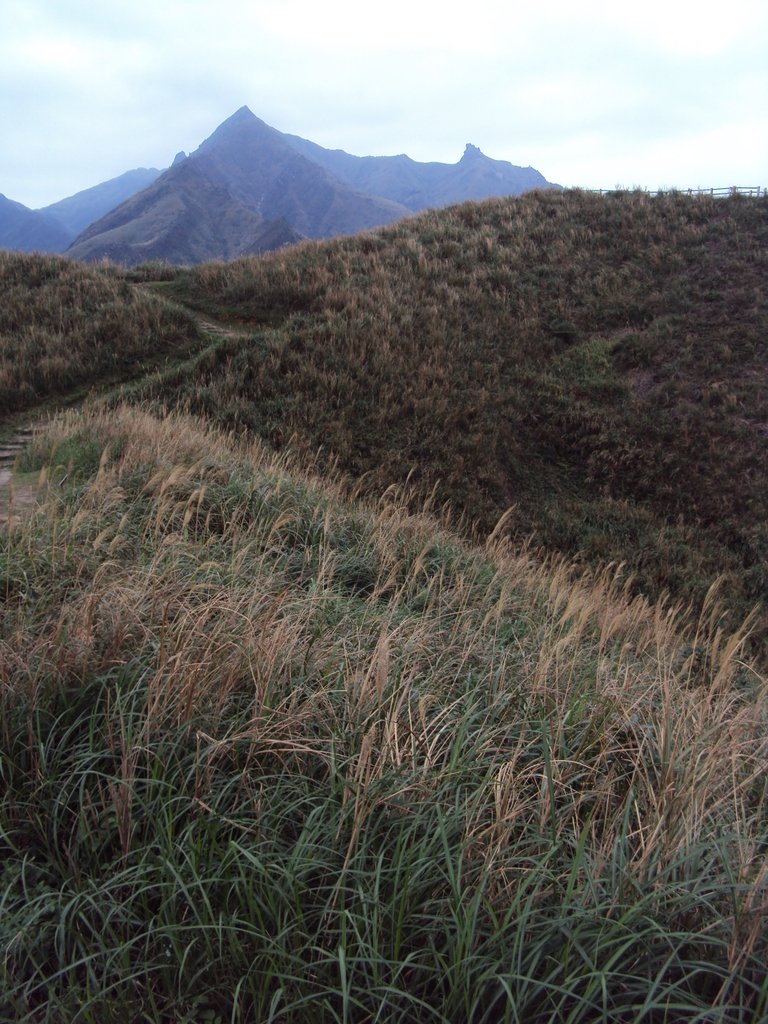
(591, 93)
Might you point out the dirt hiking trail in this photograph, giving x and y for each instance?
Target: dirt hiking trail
(20, 492)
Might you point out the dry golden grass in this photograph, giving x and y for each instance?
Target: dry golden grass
(278, 745)
(368, 633)
(595, 362)
(64, 326)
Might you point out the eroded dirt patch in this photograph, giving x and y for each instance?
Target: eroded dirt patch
(18, 495)
(18, 491)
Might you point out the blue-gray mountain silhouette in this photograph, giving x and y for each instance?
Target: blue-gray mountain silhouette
(245, 189)
(28, 230)
(250, 188)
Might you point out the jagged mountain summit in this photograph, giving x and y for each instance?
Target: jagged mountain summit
(266, 173)
(422, 185)
(245, 189)
(250, 188)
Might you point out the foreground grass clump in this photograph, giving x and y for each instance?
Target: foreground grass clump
(595, 362)
(64, 326)
(271, 755)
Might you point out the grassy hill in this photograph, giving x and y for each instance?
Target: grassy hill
(279, 743)
(268, 754)
(65, 327)
(597, 363)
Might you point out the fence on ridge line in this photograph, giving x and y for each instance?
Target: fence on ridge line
(731, 190)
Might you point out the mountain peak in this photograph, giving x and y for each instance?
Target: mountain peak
(241, 114)
(243, 120)
(241, 187)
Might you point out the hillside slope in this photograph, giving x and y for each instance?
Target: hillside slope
(64, 327)
(597, 363)
(269, 753)
(185, 216)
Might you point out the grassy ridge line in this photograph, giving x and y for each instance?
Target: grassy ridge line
(65, 327)
(269, 755)
(597, 362)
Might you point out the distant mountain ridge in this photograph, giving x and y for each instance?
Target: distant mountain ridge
(53, 228)
(27, 230)
(250, 188)
(422, 185)
(265, 172)
(78, 211)
(244, 190)
(182, 217)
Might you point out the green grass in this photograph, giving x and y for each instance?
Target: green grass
(268, 754)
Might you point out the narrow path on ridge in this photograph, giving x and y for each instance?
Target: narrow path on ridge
(19, 492)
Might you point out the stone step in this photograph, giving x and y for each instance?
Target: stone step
(11, 447)
(9, 451)
(20, 439)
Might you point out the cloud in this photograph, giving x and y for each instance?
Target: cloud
(582, 92)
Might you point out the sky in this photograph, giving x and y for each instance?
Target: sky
(667, 93)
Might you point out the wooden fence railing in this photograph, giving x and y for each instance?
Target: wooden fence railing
(732, 190)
